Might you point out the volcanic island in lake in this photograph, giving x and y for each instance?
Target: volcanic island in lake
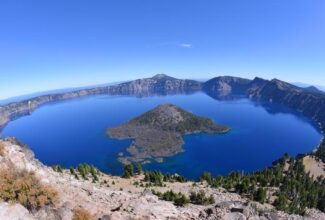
(158, 132)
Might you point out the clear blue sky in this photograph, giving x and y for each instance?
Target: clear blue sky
(49, 44)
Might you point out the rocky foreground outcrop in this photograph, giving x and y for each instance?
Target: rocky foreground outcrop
(124, 200)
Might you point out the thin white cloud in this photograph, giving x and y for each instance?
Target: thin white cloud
(173, 44)
(184, 45)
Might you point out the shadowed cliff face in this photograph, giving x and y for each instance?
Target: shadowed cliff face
(226, 86)
(309, 103)
(305, 100)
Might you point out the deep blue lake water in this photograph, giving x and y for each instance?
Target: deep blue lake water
(73, 132)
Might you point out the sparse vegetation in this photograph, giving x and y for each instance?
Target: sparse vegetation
(154, 178)
(260, 195)
(206, 176)
(174, 178)
(199, 198)
(86, 171)
(81, 214)
(128, 171)
(138, 168)
(57, 168)
(23, 187)
(179, 199)
(2, 149)
(320, 153)
(296, 189)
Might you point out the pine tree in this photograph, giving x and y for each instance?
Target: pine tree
(138, 168)
(128, 171)
(260, 195)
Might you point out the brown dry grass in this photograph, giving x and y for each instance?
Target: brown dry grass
(26, 189)
(2, 149)
(81, 214)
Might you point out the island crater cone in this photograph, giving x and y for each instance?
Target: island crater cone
(158, 132)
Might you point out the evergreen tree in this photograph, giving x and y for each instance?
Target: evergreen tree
(128, 171)
(207, 177)
(260, 195)
(138, 168)
(281, 203)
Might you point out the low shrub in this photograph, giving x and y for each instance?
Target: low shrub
(200, 198)
(23, 187)
(2, 149)
(81, 214)
(179, 199)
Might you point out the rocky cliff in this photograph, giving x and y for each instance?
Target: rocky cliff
(309, 103)
(160, 84)
(226, 85)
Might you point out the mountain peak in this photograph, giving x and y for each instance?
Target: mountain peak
(313, 89)
(284, 85)
(162, 76)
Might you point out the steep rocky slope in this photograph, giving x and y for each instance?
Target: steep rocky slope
(124, 200)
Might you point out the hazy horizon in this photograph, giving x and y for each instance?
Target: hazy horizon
(49, 45)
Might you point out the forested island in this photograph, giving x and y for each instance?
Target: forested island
(158, 132)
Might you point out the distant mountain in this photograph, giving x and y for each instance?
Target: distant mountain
(313, 89)
(159, 84)
(306, 86)
(225, 85)
(49, 92)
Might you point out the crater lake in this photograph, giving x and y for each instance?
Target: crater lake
(73, 132)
